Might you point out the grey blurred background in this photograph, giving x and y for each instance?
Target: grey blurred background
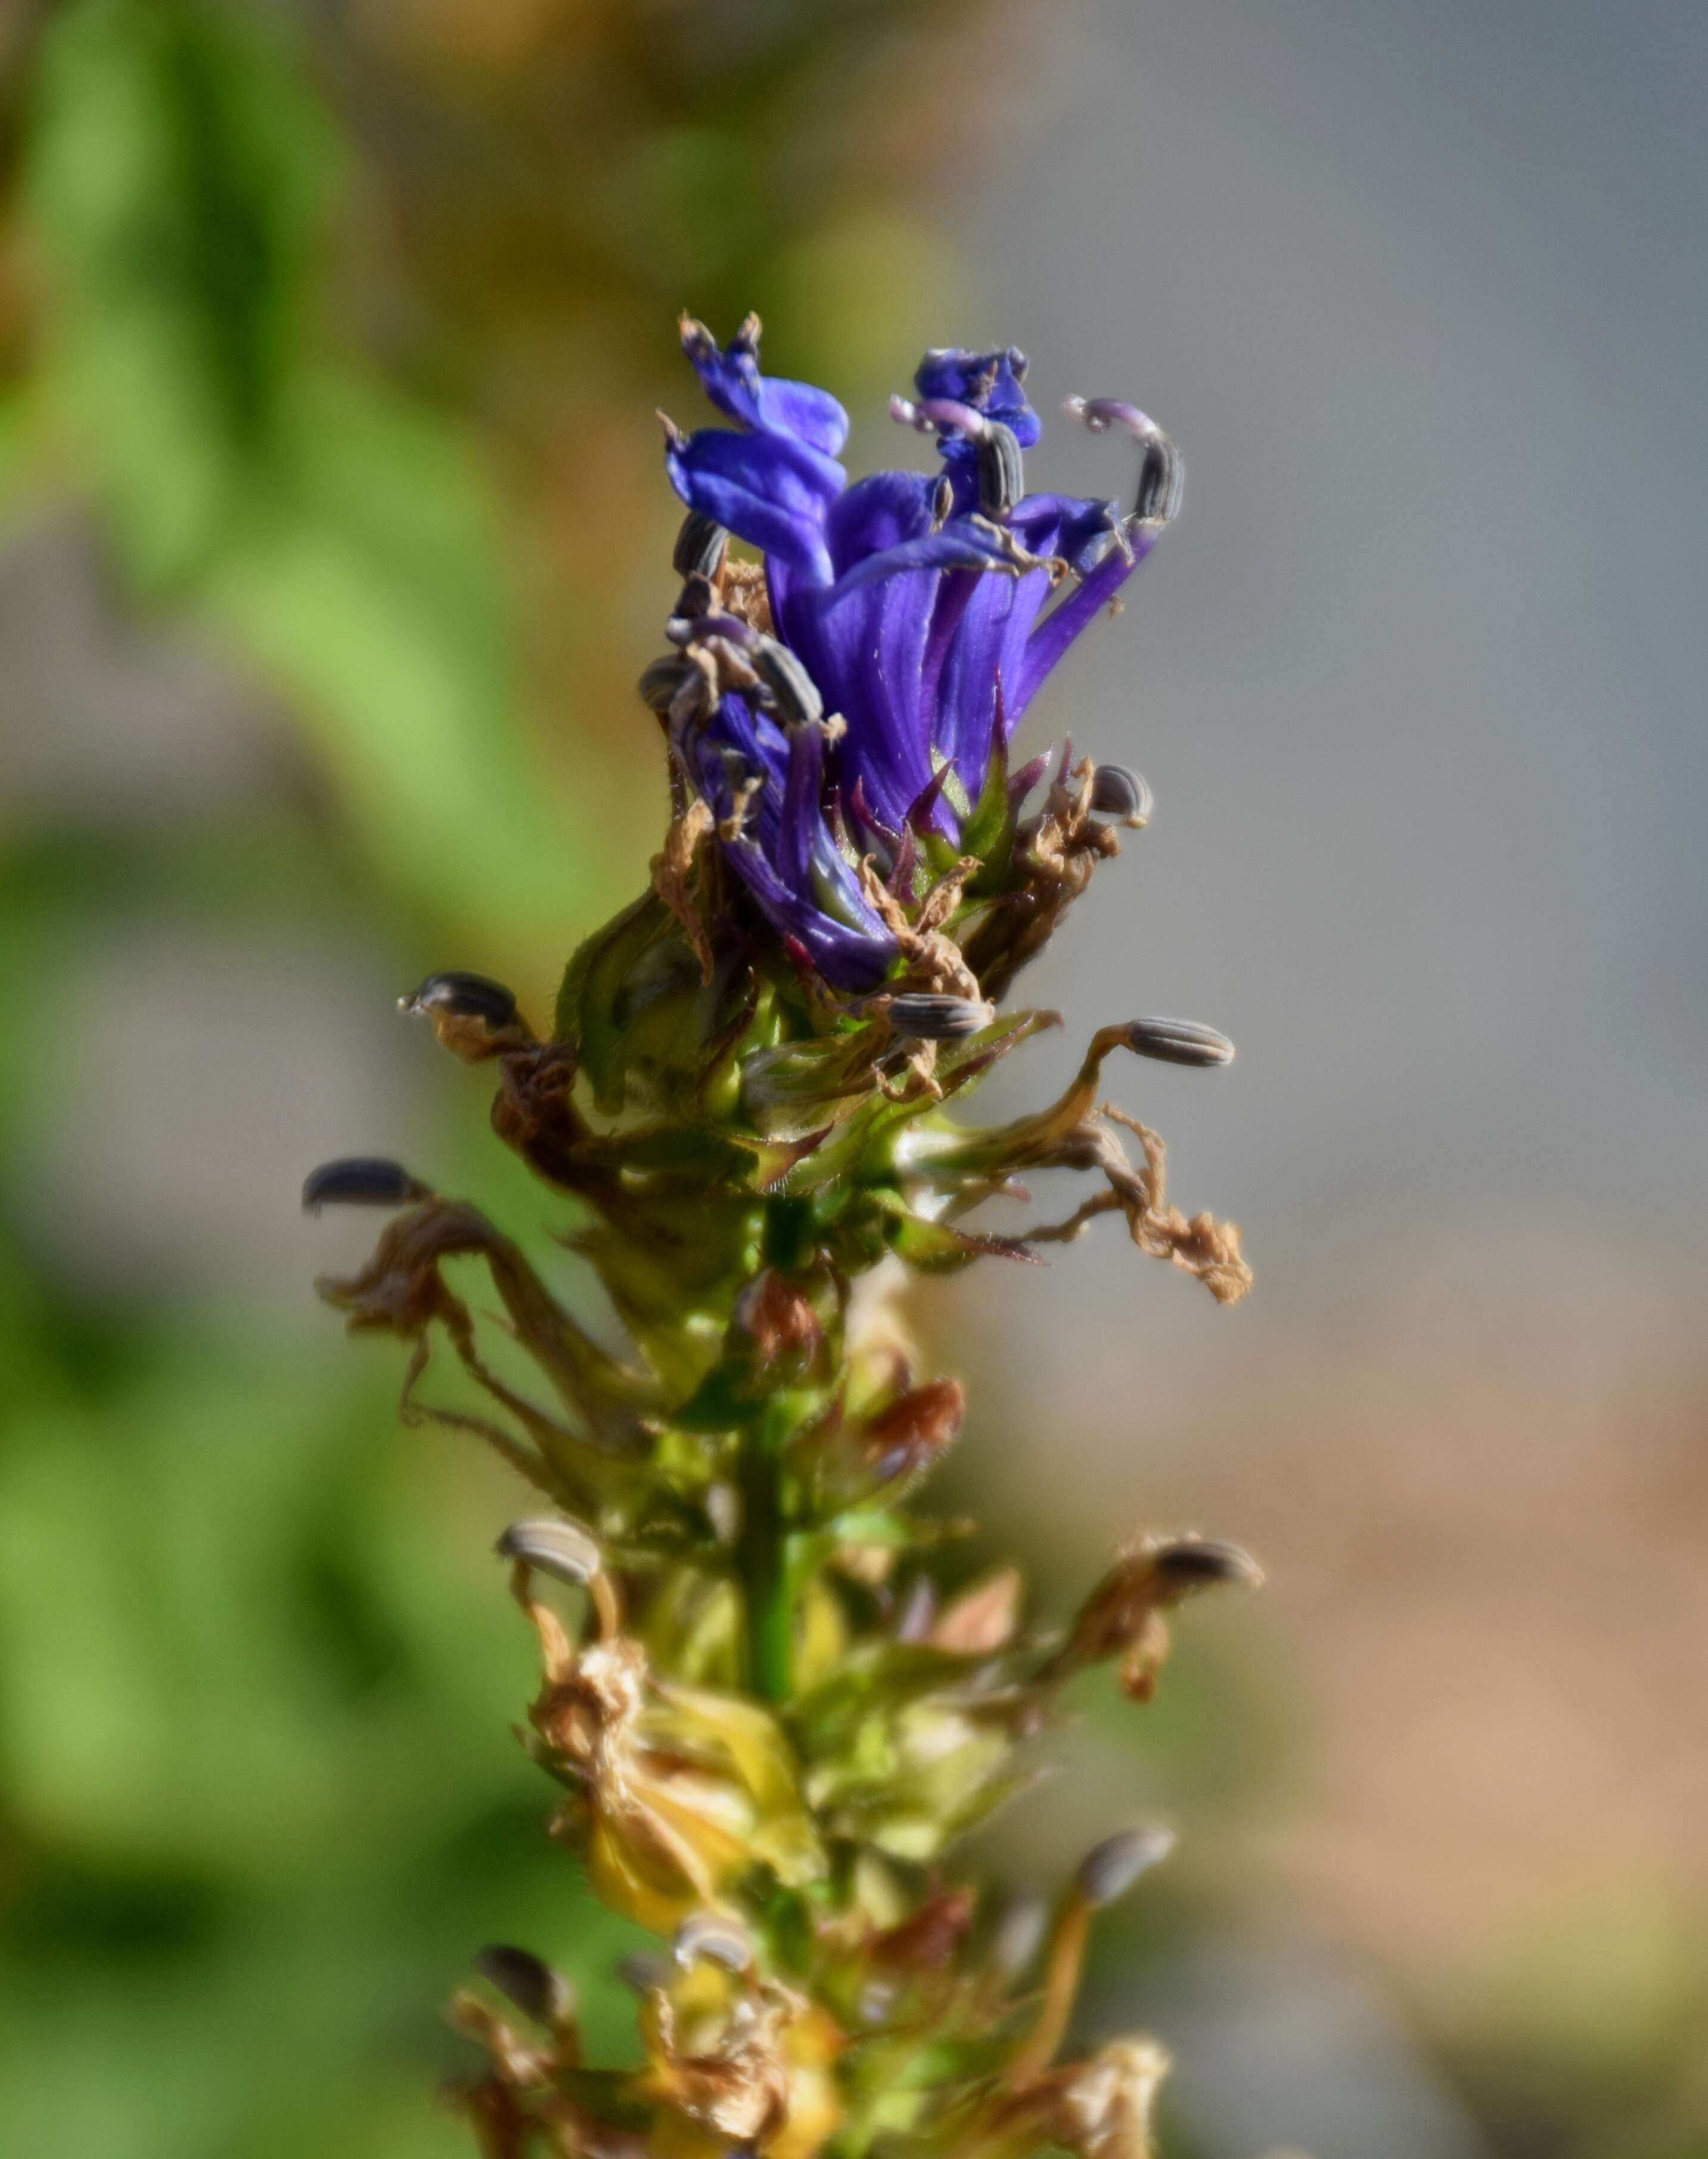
(1417, 680)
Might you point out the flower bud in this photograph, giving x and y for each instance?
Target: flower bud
(534, 1987)
(1179, 1042)
(555, 1546)
(1110, 1869)
(1119, 792)
(361, 1180)
(915, 1430)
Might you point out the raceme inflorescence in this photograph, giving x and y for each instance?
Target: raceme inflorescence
(768, 1715)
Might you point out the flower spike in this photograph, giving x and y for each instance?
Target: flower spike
(770, 1700)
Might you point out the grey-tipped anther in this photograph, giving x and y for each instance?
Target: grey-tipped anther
(459, 995)
(1110, 1869)
(1179, 1042)
(700, 547)
(554, 1546)
(662, 682)
(537, 1991)
(1119, 792)
(1002, 480)
(931, 1018)
(709, 1938)
(1205, 1563)
(1161, 482)
(361, 1180)
(697, 598)
(793, 695)
(1161, 469)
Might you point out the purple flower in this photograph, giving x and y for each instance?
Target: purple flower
(921, 612)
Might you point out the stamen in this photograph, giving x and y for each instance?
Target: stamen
(462, 996)
(1192, 1563)
(537, 1991)
(700, 547)
(794, 695)
(662, 681)
(558, 1548)
(929, 1017)
(1179, 1042)
(362, 1180)
(1098, 415)
(1119, 792)
(1002, 482)
(1110, 1869)
(1161, 482)
(714, 1938)
(940, 416)
(1161, 469)
(565, 1551)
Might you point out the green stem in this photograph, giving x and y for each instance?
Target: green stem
(769, 1593)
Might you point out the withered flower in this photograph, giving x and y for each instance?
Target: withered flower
(686, 1790)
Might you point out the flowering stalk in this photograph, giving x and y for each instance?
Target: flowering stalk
(768, 1720)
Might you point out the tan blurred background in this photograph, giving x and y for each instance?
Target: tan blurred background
(332, 537)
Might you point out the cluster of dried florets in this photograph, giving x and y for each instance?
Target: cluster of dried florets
(768, 1719)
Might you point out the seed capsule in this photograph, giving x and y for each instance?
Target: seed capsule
(1110, 1869)
(361, 1180)
(1179, 1042)
(700, 547)
(461, 996)
(1002, 480)
(932, 1018)
(1119, 792)
(535, 1989)
(711, 1937)
(555, 1546)
(794, 695)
